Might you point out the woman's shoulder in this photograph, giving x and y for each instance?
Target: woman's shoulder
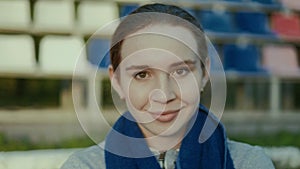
(246, 156)
(88, 158)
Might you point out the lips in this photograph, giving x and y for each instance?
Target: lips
(166, 116)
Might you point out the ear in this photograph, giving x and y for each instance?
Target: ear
(205, 77)
(115, 82)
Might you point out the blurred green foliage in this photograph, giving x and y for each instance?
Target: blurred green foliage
(281, 138)
(24, 143)
(107, 100)
(24, 93)
(278, 139)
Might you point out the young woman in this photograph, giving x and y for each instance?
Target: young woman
(159, 66)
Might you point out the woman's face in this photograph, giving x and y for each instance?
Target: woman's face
(160, 78)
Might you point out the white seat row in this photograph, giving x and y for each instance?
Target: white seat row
(58, 55)
(94, 14)
(54, 16)
(61, 55)
(15, 14)
(57, 16)
(17, 53)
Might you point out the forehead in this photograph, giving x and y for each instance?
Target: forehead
(171, 39)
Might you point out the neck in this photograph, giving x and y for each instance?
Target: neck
(163, 143)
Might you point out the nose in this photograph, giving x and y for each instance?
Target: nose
(164, 91)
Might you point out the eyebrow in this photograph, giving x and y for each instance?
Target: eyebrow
(187, 62)
(137, 67)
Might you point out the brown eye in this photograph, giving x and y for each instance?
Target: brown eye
(180, 72)
(142, 75)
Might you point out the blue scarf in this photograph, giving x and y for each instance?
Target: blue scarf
(123, 152)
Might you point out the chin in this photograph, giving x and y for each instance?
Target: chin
(165, 130)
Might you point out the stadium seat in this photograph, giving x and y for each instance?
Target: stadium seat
(253, 22)
(54, 16)
(291, 4)
(191, 11)
(60, 54)
(263, 2)
(14, 15)
(126, 9)
(241, 58)
(17, 54)
(98, 52)
(266, 2)
(217, 21)
(92, 15)
(215, 57)
(234, 0)
(286, 25)
(281, 59)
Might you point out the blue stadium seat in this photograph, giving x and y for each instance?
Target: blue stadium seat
(98, 52)
(126, 9)
(214, 55)
(234, 0)
(241, 58)
(267, 2)
(253, 22)
(191, 11)
(217, 22)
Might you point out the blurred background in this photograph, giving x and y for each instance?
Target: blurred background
(258, 42)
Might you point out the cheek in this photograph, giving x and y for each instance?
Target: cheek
(138, 94)
(190, 88)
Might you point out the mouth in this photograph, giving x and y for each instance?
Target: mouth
(166, 116)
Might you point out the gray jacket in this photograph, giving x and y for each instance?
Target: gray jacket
(244, 157)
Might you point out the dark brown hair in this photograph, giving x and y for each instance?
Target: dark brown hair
(132, 23)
